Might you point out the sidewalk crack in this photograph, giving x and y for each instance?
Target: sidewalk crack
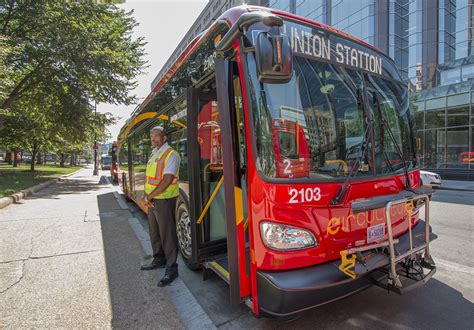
(10, 261)
(19, 279)
(63, 254)
(23, 261)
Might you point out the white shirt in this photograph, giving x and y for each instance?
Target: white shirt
(172, 165)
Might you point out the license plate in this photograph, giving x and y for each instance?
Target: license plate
(375, 233)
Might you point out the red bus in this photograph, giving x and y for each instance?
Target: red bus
(299, 180)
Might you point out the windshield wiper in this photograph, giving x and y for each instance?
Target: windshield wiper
(395, 143)
(353, 171)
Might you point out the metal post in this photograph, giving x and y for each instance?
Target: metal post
(427, 230)
(96, 170)
(393, 276)
(409, 223)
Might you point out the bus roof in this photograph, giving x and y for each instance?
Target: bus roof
(230, 17)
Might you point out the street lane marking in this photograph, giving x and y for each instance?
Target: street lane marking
(454, 266)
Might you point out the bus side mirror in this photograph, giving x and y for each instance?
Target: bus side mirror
(274, 58)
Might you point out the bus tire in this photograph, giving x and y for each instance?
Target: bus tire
(183, 231)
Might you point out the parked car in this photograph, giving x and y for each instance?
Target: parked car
(335, 167)
(429, 178)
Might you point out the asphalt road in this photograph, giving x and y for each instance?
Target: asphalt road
(446, 302)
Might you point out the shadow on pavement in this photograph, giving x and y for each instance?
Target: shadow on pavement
(67, 187)
(135, 299)
(436, 305)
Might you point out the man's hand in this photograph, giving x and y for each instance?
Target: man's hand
(148, 201)
(165, 182)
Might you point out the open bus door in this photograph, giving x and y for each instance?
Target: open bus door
(216, 195)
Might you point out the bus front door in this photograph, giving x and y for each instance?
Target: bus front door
(214, 228)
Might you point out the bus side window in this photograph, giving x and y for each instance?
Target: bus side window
(141, 148)
(123, 156)
(177, 140)
(178, 135)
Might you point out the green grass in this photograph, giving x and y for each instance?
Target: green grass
(139, 168)
(14, 179)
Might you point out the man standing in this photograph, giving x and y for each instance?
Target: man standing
(161, 191)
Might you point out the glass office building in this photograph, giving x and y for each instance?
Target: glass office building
(431, 43)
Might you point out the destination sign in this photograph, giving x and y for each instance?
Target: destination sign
(320, 44)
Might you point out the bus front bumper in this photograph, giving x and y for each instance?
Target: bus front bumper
(283, 293)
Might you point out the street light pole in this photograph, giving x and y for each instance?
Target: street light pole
(96, 170)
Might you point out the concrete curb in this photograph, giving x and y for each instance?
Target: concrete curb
(16, 197)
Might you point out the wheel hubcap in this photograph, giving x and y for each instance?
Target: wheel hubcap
(184, 234)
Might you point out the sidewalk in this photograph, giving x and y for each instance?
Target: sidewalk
(68, 258)
(456, 185)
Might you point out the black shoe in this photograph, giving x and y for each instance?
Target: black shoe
(153, 265)
(167, 279)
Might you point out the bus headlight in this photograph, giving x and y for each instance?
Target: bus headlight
(284, 237)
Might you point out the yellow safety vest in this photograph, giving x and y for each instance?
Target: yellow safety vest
(154, 175)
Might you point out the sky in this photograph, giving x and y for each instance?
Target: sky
(163, 23)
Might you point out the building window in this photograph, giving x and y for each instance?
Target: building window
(457, 100)
(455, 39)
(437, 103)
(280, 4)
(458, 116)
(467, 72)
(451, 76)
(434, 148)
(457, 145)
(312, 9)
(435, 118)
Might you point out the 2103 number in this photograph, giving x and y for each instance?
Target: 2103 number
(304, 195)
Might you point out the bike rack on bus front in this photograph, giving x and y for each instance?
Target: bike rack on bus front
(356, 266)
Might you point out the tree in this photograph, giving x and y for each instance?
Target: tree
(59, 121)
(87, 129)
(56, 57)
(83, 44)
(6, 71)
(27, 128)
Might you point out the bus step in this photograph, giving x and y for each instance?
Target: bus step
(410, 277)
(220, 267)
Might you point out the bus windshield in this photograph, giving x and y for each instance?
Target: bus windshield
(315, 125)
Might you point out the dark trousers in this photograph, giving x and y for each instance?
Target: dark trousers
(162, 226)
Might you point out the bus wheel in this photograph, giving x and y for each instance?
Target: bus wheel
(183, 231)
